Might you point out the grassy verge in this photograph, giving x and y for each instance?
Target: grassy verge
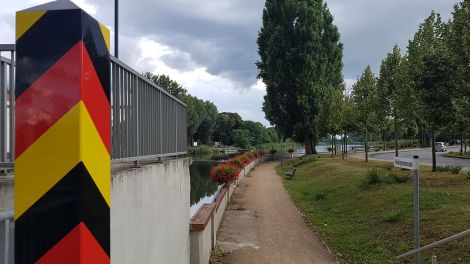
(364, 210)
(456, 155)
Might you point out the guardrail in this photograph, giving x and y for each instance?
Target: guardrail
(147, 121)
(7, 237)
(7, 99)
(436, 244)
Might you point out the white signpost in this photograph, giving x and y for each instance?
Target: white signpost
(412, 164)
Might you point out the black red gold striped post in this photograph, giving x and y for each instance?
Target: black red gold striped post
(62, 168)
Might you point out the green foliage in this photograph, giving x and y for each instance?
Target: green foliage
(301, 61)
(392, 216)
(374, 177)
(366, 106)
(242, 138)
(226, 123)
(455, 169)
(399, 178)
(202, 151)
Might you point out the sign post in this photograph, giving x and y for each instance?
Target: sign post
(412, 164)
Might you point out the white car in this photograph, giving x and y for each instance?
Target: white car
(440, 147)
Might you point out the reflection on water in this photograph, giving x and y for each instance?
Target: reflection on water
(6, 194)
(201, 184)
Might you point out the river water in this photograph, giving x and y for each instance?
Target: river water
(203, 190)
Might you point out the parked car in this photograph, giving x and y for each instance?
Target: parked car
(440, 147)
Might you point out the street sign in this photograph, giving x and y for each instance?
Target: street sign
(405, 163)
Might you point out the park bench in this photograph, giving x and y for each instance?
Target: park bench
(291, 174)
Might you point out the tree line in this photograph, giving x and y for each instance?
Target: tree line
(423, 92)
(207, 126)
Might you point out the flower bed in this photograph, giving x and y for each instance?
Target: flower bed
(229, 171)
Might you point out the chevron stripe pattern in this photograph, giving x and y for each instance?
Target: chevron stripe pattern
(62, 168)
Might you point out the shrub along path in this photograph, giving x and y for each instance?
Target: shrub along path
(262, 225)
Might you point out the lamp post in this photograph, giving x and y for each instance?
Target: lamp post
(116, 28)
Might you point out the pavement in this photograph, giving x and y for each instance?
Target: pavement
(425, 157)
(262, 225)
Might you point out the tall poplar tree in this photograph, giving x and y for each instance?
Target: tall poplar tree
(431, 71)
(300, 62)
(366, 106)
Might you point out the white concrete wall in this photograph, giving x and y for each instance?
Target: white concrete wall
(150, 214)
(201, 244)
(219, 213)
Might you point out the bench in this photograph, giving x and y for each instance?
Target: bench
(291, 174)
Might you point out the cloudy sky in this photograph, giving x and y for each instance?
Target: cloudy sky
(209, 46)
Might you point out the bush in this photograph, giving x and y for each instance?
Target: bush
(321, 195)
(399, 178)
(443, 168)
(455, 169)
(373, 177)
(392, 216)
(468, 175)
(202, 150)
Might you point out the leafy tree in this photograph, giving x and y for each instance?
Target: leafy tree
(432, 69)
(335, 109)
(366, 106)
(394, 96)
(242, 138)
(168, 84)
(257, 131)
(226, 123)
(206, 127)
(301, 60)
(458, 42)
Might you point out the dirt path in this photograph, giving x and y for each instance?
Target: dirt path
(262, 225)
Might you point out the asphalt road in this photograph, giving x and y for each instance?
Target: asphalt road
(425, 157)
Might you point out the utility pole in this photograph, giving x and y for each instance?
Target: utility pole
(116, 28)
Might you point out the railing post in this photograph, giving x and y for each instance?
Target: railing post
(7, 241)
(416, 205)
(434, 259)
(62, 169)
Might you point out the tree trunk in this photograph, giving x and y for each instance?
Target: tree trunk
(334, 140)
(342, 145)
(395, 127)
(312, 145)
(433, 148)
(332, 149)
(461, 144)
(346, 143)
(308, 148)
(365, 147)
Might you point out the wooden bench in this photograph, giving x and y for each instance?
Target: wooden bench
(291, 174)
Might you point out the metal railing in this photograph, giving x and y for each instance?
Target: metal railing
(147, 121)
(7, 237)
(7, 99)
(441, 242)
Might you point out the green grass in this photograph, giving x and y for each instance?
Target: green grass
(373, 224)
(459, 155)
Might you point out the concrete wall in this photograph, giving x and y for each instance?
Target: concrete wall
(201, 244)
(150, 214)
